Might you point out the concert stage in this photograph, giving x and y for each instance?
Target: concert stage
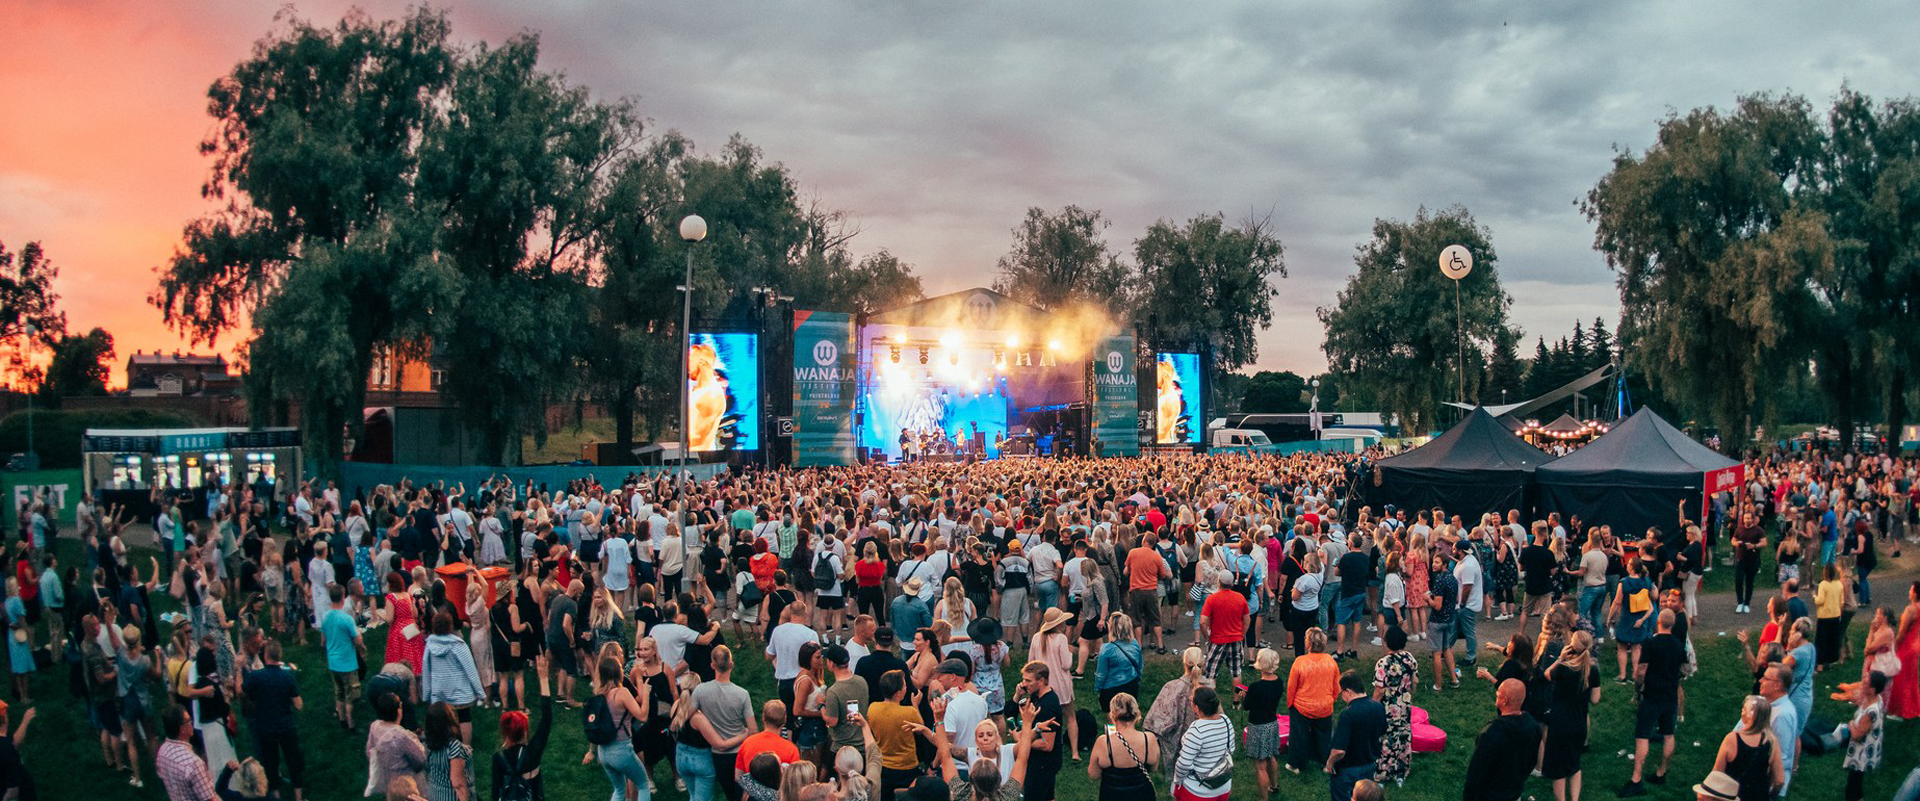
(978, 375)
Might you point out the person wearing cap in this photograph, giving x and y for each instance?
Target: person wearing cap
(878, 663)
(843, 700)
(1038, 690)
(959, 707)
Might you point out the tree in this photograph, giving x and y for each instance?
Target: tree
(1718, 306)
(1505, 375)
(26, 294)
(1392, 332)
(1599, 345)
(324, 244)
(1540, 373)
(1060, 260)
(1275, 393)
(1207, 280)
(80, 365)
(520, 168)
(1869, 177)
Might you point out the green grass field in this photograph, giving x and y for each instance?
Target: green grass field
(64, 756)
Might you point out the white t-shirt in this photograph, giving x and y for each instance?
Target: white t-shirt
(832, 559)
(1467, 572)
(1076, 581)
(672, 638)
(618, 556)
(672, 555)
(1393, 592)
(965, 710)
(1004, 759)
(856, 652)
(784, 648)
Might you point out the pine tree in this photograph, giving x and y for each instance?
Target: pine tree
(1577, 362)
(1600, 347)
(1540, 373)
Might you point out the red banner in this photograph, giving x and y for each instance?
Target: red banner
(1726, 479)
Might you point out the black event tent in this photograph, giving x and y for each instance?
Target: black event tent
(1631, 478)
(1477, 466)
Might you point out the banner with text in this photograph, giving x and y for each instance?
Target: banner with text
(823, 389)
(1116, 397)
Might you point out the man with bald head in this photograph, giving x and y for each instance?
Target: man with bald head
(1506, 751)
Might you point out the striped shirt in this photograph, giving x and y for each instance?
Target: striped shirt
(182, 772)
(1206, 745)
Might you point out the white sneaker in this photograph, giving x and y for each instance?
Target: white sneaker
(1188, 613)
(1375, 641)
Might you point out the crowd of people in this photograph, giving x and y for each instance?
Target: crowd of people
(927, 624)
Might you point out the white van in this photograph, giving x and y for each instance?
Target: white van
(1368, 437)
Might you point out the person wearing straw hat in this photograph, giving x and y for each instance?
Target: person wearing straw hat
(1053, 647)
(1717, 786)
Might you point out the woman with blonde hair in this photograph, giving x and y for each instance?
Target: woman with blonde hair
(954, 609)
(480, 640)
(795, 778)
(1121, 662)
(1128, 772)
(1172, 709)
(1095, 606)
(1262, 700)
(1416, 559)
(1574, 678)
(1750, 754)
(695, 738)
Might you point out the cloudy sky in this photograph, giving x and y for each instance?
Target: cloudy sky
(938, 124)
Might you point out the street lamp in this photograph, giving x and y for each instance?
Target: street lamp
(33, 458)
(692, 229)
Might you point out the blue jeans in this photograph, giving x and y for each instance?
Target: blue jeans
(1341, 783)
(1593, 609)
(1049, 595)
(1464, 621)
(622, 766)
(1329, 596)
(1909, 789)
(696, 769)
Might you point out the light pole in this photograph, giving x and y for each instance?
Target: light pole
(692, 230)
(33, 459)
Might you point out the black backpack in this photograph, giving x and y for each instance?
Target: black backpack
(514, 786)
(823, 575)
(599, 724)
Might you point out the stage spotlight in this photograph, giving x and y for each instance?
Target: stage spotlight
(953, 357)
(1053, 344)
(894, 352)
(946, 340)
(900, 339)
(923, 354)
(1013, 341)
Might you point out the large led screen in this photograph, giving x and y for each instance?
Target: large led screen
(723, 391)
(1177, 411)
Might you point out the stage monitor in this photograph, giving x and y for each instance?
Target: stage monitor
(723, 392)
(1177, 409)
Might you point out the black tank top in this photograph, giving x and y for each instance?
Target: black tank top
(1752, 766)
(1125, 784)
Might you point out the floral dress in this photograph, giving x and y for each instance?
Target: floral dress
(1506, 574)
(1415, 572)
(1394, 676)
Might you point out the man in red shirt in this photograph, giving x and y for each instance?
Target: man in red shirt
(1223, 622)
(773, 716)
(1145, 570)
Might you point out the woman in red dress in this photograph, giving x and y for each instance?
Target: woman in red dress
(401, 616)
(1903, 698)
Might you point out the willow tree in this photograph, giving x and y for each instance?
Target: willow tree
(322, 247)
(1725, 266)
